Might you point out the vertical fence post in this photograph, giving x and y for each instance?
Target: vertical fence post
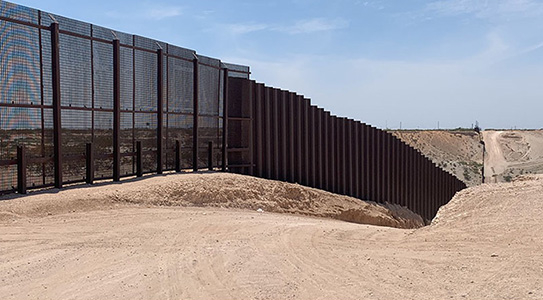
(283, 135)
(291, 137)
(257, 119)
(139, 159)
(267, 133)
(21, 169)
(313, 172)
(277, 157)
(356, 158)
(89, 162)
(210, 156)
(332, 136)
(225, 121)
(177, 156)
(339, 155)
(116, 110)
(195, 114)
(250, 98)
(57, 121)
(326, 144)
(160, 112)
(350, 159)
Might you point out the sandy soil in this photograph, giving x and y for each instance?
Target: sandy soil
(512, 153)
(459, 152)
(485, 244)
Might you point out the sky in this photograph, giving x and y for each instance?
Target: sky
(392, 64)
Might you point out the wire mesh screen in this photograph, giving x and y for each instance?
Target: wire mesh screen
(18, 12)
(208, 131)
(20, 64)
(208, 94)
(8, 178)
(66, 24)
(237, 71)
(75, 71)
(103, 75)
(19, 126)
(221, 93)
(126, 142)
(145, 71)
(179, 129)
(180, 85)
(145, 131)
(76, 133)
(127, 78)
(103, 142)
(47, 82)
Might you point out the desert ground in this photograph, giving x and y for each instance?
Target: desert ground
(166, 237)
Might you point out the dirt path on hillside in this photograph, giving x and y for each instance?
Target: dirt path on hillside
(513, 153)
(486, 244)
(495, 162)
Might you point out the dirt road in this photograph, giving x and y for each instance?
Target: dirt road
(512, 153)
(486, 244)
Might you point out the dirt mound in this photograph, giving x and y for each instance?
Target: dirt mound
(222, 190)
(459, 152)
(485, 244)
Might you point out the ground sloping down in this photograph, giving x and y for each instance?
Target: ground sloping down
(485, 244)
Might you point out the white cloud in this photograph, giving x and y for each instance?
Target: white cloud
(300, 27)
(314, 25)
(238, 29)
(163, 13)
(486, 8)
(140, 11)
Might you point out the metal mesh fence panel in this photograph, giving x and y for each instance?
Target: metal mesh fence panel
(221, 93)
(20, 64)
(148, 44)
(103, 75)
(180, 85)
(127, 143)
(76, 132)
(237, 71)
(208, 94)
(103, 142)
(145, 81)
(47, 82)
(18, 12)
(208, 131)
(145, 131)
(19, 126)
(102, 33)
(179, 129)
(127, 82)
(75, 71)
(66, 24)
(8, 178)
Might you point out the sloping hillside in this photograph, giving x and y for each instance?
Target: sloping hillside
(459, 152)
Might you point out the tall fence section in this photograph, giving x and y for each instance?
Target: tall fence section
(79, 102)
(87, 102)
(279, 135)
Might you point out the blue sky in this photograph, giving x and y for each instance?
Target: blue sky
(382, 62)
